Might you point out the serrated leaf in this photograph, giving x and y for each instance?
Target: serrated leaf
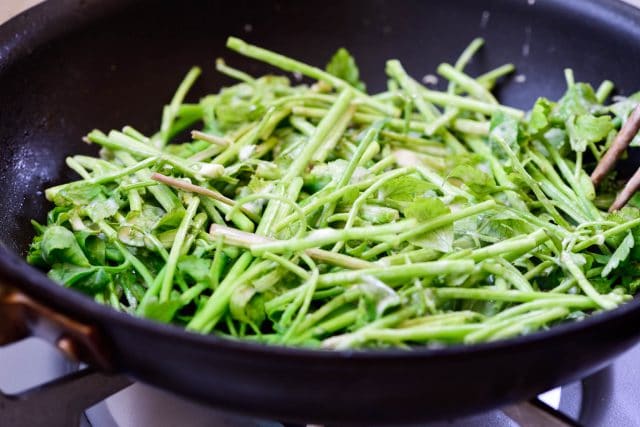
(626, 214)
(475, 179)
(620, 255)
(194, 267)
(503, 128)
(247, 305)
(59, 245)
(426, 209)
(343, 66)
(579, 99)
(587, 128)
(102, 208)
(160, 311)
(405, 189)
(423, 210)
(90, 280)
(538, 119)
(379, 296)
(79, 195)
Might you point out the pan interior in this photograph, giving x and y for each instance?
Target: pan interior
(123, 68)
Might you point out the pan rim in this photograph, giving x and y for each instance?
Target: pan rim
(14, 269)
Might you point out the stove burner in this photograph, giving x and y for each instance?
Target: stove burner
(63, 401)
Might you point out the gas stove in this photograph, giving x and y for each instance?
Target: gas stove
(59, 392)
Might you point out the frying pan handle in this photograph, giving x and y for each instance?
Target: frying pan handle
(21, 317)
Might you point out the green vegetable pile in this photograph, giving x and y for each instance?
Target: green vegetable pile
(318, 215)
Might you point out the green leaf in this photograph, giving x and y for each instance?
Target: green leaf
(423, 210)
(59, 245)
(343, 66)
(160, 311)
(406, 189)
(34, 253)
(378, 297)
(602, 285)
(578, 100)
(101, 208)
(504, 128)
(538, 119)
(78, 195)
(587, 128)
(59, 215)
(237, 105)
(502, 226)
(475, 179)
(623, 109)
(195, 267)
(90, 280)
(138, 221)
(557, 138)
(379, 214)
(93, 245)
(622, 216)
(171, 220)
(621, 254)
(247, 305)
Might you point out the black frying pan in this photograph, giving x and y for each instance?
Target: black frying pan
(68, 66)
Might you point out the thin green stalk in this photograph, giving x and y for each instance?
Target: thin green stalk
(466, 83)
(325, 236)
(604, 90)
(583, 282)
(176, 101)
(176, 249)
(446, 99)
(399, 273)
(292, 65)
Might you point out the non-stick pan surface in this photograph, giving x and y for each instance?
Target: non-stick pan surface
(68, 66)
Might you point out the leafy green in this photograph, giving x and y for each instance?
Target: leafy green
(426, 209)
(578, 100)
(503, 128)
(245, 304)
(160, 311)
(587, 128)
(59, 245)
(405, 188)
(620, 255)
(539, 117)
(456, 209)
(440, 239)
(343, 66)
(474, 178)
(90, 280)
(194, 267)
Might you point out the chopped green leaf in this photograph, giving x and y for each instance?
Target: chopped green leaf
(343, 66)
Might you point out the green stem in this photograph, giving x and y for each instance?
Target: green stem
(466, 83)
(325, 236)
(583, 282)
(399, 273)
(176, 249)
(292, 65)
